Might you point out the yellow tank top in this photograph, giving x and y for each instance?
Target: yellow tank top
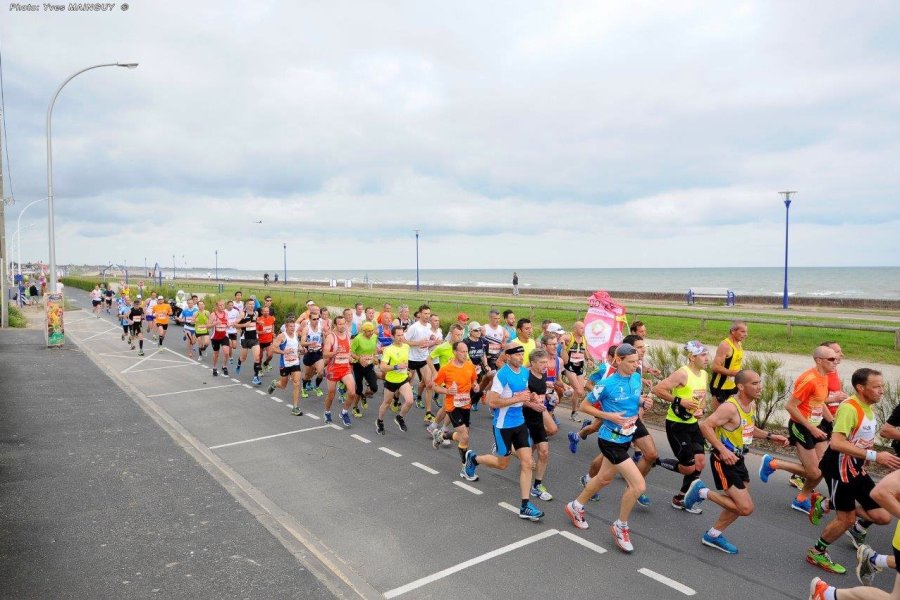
(896, 542)
(721, 382)
(694, 382)
(742, 435)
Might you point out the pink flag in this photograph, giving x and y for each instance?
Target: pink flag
(604, 324)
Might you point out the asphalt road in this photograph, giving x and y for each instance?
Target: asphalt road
(388, 513)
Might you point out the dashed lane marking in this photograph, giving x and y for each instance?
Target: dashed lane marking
(391, 452)
(203, 389)
(675, 585)
(425, 468)
(267, 437)
(360, 438)
(580, 540)
(469, 488)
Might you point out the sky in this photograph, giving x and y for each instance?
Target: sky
(511, 134)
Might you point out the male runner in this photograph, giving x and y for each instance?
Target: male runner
(123, 310)
(96, 300)
(201, 326)
(249, 342)
(359, 316)
(538, 420)
(730, 430)
(161, 312)
(507, 395)
(477, 348)
(188, 318)
(421, 339)
(727, 362)
(287, 344)
(136, 317)
(456, 381)
(312, 334)
(336, 354)
(402, 319)
(149, 316)
(395, 366)
(108, 296)
(496, 338)
(620, 400)
(525, 338)
(218, 322)
(265, 333)
(363, 354)
(807, 411)
(509, 324)
(234, 314)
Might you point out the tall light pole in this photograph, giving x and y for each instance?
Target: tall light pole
(285, 264)
(787, 210)
(19, 229)
(417, 260)
(50, 225)
(174, 267)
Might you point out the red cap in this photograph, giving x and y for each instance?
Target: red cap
(462, 317)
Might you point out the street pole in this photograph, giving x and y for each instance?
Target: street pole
(285, 264)
(787, 209)
(417, 260)
(4, 302)
(50, 224)
(174, 267)
(19, 232)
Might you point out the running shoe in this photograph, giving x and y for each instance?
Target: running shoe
(475, 409)
(637, 456)
(719, 543)
(858, 538)
(644, 500)
(132, 346)
(803, 506)
(140, 352)
(817, 508)
(345, 419)
(798, 481)
(356, 412)
(395, 405)
(237, 370)
(296, 411)
(267, 368)
(215, 373)
(364, 403)
(271, 387)
(123, 337)
(765, 468)
(574, 416)
(577, 515)
(470, 468)
(823, 561)
(419, 402)
(319, 392)
(622, 536)
(817, 589)
(429, 418)
(225, 371)
(304, 393)
(583, 481)
(692, 497)
(530, 512)
(678, 503)
(328, 417)
(401, 423)
(437, 437)
(541, 492)
(573, 442)
(256, 380)
(230, 360)
(379, 427)
(865, 567)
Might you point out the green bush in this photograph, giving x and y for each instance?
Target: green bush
(16, 318)
(667, 359)
(775, 387)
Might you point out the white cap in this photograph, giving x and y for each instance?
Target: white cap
(555, 328)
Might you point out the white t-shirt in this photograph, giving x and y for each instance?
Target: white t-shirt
(417, 332)
(233, 316)
(358, 320)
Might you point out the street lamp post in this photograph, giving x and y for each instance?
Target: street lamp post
(174, 267)
(787, 210)
(50, 224)
(19, 232)
(284, 282)
(417, 260)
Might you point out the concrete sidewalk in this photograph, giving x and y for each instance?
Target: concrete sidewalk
(97, 501)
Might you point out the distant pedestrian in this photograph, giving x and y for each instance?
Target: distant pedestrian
(266, 279)
(276, 277)
(515, 284)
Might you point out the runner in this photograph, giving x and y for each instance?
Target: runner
(496, 338)
(402, 319)
(136, 317)
(639, 328)
(730, 430)
(96, 300)
(456, 381)
(265, 332)
(592, 383)
(108, 296)
(249, 342)
(234, 314)
(123, 311)
(525, 338)
(363, 354)
(287, 345)
(537, 418)
(509, 324)
(556, 387)
(337, 357)
(359, 317)
(421, 339)
(620, 400)
(506, 397)
(727, 362)
(477, 348)
(149, 316)
(201, 323)
(312, 334)
(574, 352)
(806, 408)
(395, 366)
(187, 318)
(161, 312)
(685, 391)
(218, 322)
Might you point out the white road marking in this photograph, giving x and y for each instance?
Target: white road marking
(248, 386)
(391, 452)
(260, 392)
(425, 468)
(202, 389)
(312, 416)
(666, 581)
(469, 488)
(360, 438)
(235, 380)
(120, 354)
(580, 540)
(90, 337)
(339, 428)
(508, 507)
(267, 437)
(469, 563)
(156, 368)
(279, 400)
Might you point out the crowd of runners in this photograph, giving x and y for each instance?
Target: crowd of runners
(528, 376)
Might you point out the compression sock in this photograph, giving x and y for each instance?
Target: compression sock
(141, 344)
(822, 545)
(318, 381)
(257, 367)
(687, 481)
(524, 502)
(669, 464)
(462, 454)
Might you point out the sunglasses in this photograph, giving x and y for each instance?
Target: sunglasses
(832, 359)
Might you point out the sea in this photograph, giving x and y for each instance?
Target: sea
(822, 282)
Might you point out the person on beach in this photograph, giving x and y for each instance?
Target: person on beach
(515, 283)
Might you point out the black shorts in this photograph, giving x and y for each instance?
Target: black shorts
(827, 427)
(897, 560)
(285, 371)
(614, 452)
(232, 337)
(686, 441)
(311, 358)
(264, 345)
(459, 417)
(136, 328)
(390, 386)
(508, 439)
(165, 326)
(799, 435)
(95, 303)
(492, 362)
(535, 423)
(109, 301)
(366, 373)
(640, 431)
(216, 344)
(845, 496)
(723, 395)
(417, 365)
(726, 476)
(249, 343)
(575, 369)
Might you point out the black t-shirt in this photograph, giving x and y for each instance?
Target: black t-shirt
(249, 332)
(894, 420)
(476, 352)
(515, 280)
(136, 311)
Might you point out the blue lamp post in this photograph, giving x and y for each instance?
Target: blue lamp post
(787, 210)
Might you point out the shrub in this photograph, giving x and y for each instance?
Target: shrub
(667, 359)
(775, 387)
(888, 403)
(16, 318)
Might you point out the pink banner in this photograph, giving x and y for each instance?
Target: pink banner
(604, 324)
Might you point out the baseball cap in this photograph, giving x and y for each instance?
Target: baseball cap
(310, 302)
(694, 348)
(368, 327)
(252, 297)
(462, 317)
(474, 326)
(555, 328)
(625, 350)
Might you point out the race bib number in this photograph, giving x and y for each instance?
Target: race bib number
(268, 329)
(462, 401)
(342, 358)
(576, 357)
(290, 355)
(136, 319)
(815, 415)
(493, 348)
(747, 434)
(628, 427)
(365, 360)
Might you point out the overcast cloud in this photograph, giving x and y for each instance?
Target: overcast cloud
(492, 127)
